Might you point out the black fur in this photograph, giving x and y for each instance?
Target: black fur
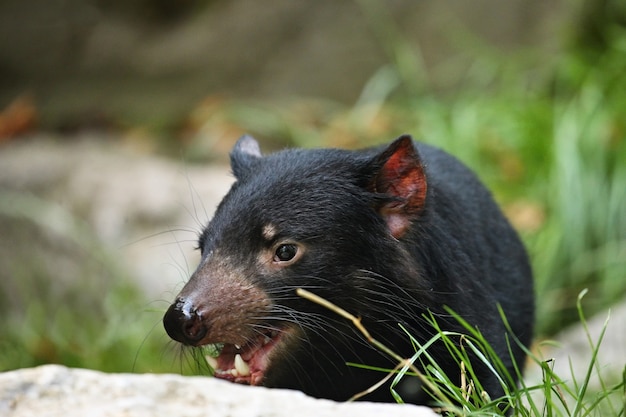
(453, 248)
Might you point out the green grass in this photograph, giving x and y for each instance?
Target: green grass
(551, 396)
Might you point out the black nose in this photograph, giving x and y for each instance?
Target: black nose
(183, 323)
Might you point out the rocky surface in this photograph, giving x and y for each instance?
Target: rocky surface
(54, 390)
(571, 353)
(146, 210)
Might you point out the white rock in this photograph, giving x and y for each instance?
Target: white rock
(54, 390)
(146, 210)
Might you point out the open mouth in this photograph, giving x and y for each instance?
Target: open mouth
(246, 364)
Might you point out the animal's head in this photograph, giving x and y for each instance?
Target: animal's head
(330, 221)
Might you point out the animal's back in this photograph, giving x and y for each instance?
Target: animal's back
(474, 257)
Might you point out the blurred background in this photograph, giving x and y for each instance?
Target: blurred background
(116, 119)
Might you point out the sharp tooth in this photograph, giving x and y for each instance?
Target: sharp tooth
(237, 347)
(211, 361)
(241, 366)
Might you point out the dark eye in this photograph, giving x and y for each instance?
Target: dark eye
(285, 252)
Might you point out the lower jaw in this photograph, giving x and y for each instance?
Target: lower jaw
(249, 371)
(255, 378)
(252, 370)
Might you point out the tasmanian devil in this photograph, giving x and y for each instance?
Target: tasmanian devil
(391, 234)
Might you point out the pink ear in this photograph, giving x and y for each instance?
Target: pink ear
(402, 178)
